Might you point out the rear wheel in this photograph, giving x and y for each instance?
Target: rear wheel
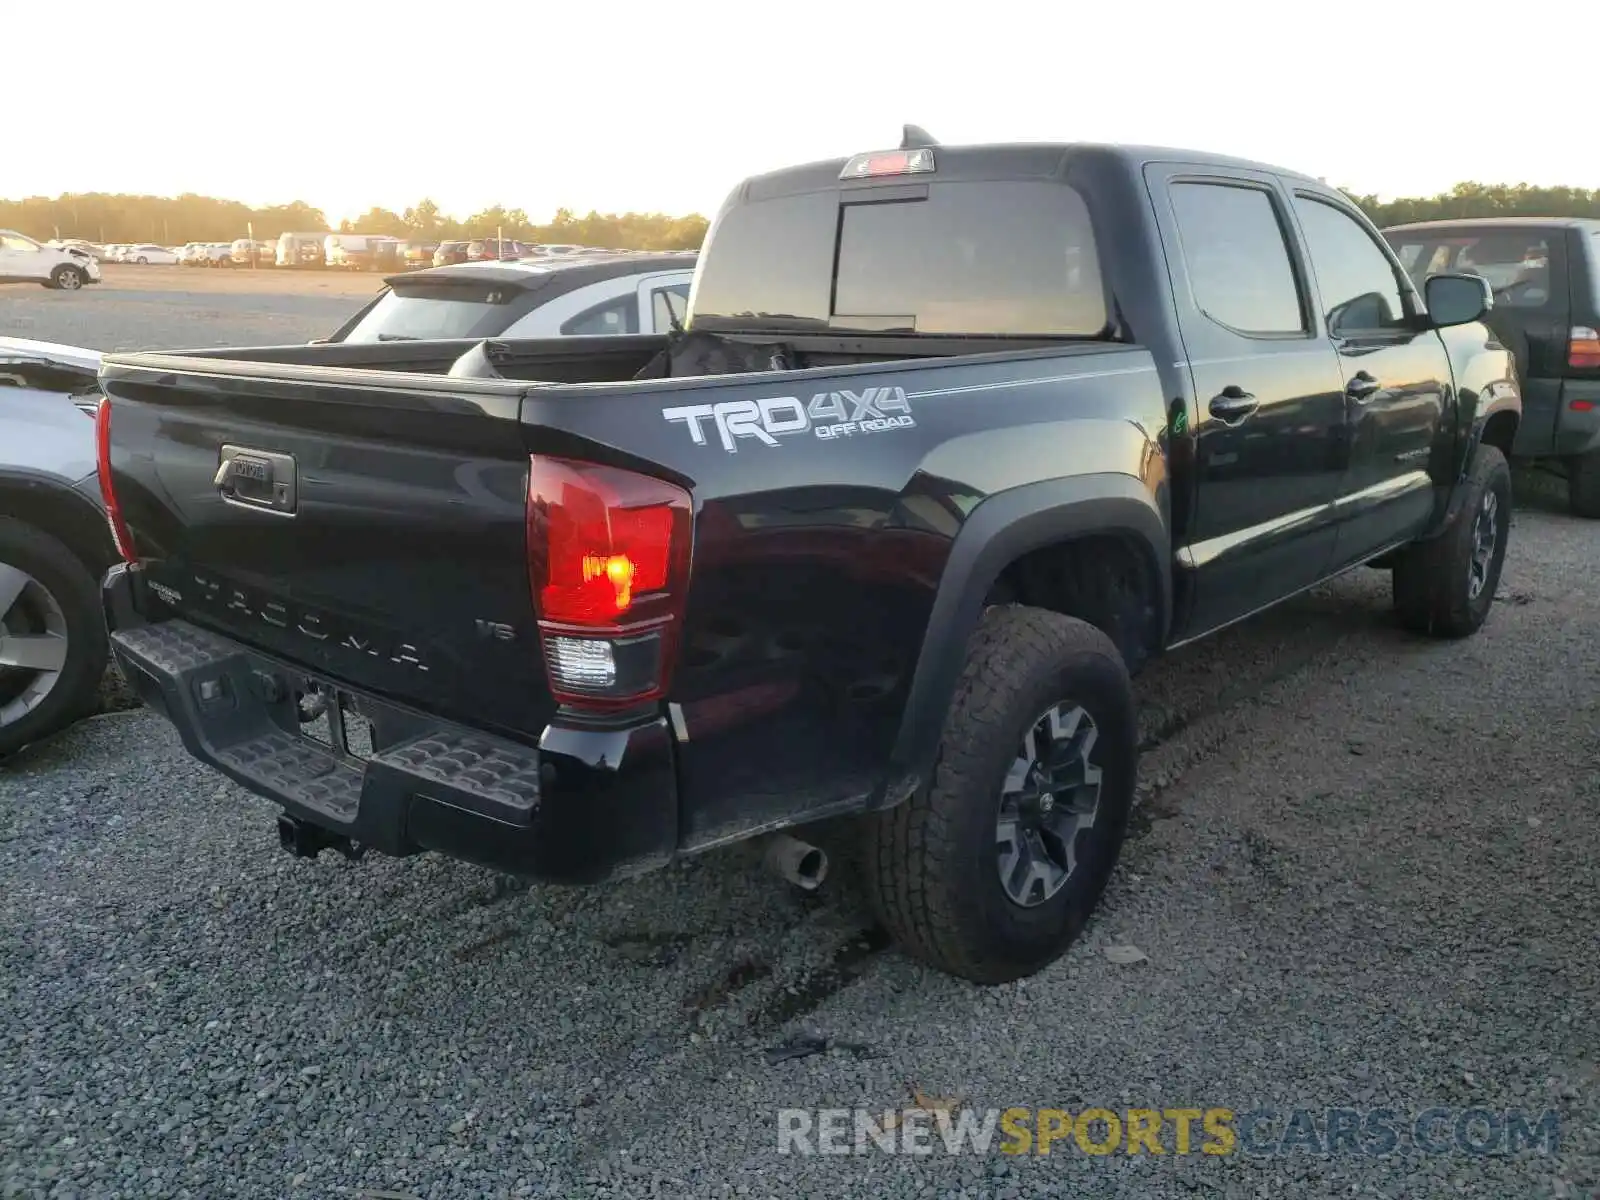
(1583, 484)
(1446, 585)
(991, 871)
(52, 635)
(142, 261)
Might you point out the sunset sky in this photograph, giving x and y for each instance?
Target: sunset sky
(626, 105)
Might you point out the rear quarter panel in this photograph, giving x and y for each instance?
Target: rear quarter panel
(43, 433)
(823, 548)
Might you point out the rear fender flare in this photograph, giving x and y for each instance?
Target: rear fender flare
(1000, 530)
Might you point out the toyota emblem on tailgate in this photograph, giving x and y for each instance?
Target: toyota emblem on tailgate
(261, 479)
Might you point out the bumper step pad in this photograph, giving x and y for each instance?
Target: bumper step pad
(210, 688)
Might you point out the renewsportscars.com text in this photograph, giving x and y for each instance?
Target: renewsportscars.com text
(1212, 1131)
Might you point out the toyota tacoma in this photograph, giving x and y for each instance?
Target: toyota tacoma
(953, 441)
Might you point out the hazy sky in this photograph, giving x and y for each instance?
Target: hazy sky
(628, 105)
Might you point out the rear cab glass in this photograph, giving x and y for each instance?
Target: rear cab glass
(979, 257)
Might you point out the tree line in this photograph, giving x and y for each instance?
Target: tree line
(172, 220)
(1483, 200)
(103, 217)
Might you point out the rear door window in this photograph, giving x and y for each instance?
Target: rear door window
(1237, 257)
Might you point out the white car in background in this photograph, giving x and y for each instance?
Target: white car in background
(54, 544)
(23, 260)
(561, 295)
(148, 253)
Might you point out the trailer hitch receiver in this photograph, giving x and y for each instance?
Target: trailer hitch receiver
(305, 840)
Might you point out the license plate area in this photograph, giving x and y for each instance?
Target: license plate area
(333, 719)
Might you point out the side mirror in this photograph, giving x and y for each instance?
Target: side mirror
(1457, 299)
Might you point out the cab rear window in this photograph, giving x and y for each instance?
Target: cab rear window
(979, 258)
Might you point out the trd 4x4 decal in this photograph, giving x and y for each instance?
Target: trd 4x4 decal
(829, 415)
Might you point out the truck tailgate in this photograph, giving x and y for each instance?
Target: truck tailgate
(370, 528)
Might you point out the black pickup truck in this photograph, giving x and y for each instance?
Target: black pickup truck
(956, 439)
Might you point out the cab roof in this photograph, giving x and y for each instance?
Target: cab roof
(1008, 160)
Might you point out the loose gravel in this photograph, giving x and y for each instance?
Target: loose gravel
(1365, 872)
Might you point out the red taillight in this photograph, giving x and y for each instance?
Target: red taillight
(1583, 348)
(120, 536)
(608, 559)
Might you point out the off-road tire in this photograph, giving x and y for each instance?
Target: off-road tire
(1431, 594)
(66, 278)
(1583, 484)
(68, 580)
(930, 864)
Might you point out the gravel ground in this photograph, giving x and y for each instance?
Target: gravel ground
(1365, 872)
(176, 308)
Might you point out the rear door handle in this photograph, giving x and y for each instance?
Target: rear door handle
(1363, 387)
(1233, 404)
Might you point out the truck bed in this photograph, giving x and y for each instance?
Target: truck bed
(825, 504)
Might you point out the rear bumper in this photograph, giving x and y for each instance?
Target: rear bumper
(585, 806)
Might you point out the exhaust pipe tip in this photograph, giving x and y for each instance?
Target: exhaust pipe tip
(801, 863)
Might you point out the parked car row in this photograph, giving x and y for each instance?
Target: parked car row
(383, 252)
(190, 254)
(336, 251)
